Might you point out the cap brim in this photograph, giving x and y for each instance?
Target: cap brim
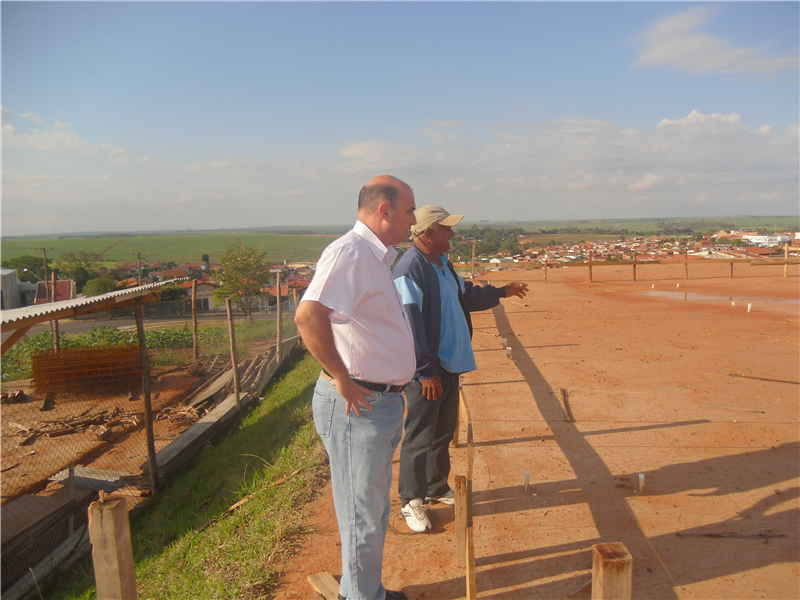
(451, 220)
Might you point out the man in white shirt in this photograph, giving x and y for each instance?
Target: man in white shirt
(352, 321)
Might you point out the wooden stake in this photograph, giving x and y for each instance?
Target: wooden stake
(686, 264)
(472, 584)
(195, 337)
(234, 365)
(612, 571)
(569, 417)
(461, 520)
(112, 552)
(591, 279)
(279, 328)
(473, 260)
(454, 442)
(545, 269)
(786, 256)
(634, 266)
(148, 408)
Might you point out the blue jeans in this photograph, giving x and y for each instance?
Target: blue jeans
(360, 450)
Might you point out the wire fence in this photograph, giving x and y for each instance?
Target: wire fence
(72, 419)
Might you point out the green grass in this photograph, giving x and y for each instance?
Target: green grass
(176, 248)
(186, 546)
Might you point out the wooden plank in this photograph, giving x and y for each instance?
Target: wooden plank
(112, 551)
(461, 520)
(325, 585)
(13, 339)
(472, 589)
(219, 383)
(612, 572)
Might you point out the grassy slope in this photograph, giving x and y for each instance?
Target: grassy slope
(185, 546)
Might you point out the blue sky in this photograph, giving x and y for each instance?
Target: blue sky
(162, 116)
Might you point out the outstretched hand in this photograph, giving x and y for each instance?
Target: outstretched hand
(516, 288)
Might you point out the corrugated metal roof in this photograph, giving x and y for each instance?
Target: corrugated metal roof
(20, 314)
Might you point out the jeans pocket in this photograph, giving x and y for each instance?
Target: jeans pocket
(322, 408)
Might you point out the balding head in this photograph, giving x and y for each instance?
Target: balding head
(383, 188)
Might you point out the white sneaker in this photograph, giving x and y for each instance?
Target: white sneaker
(449, 498)
(416, 516)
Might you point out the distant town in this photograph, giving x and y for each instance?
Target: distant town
(25, 284)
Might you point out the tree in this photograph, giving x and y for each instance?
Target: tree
(100, 285)
(33, 264)
(242, 275)
(172, 292)
(80, 267)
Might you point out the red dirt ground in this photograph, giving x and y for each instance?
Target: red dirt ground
(647, 367)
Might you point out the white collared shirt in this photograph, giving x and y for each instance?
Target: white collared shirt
(370, 326)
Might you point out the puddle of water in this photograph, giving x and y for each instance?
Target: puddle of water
(740, 300)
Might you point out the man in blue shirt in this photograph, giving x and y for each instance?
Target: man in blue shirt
(438, 303)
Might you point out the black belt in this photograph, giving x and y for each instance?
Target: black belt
(375, 387)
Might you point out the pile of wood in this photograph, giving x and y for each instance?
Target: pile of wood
(219, 419)
(105, 424)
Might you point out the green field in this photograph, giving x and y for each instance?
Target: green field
(177, 248)
(190, 247)
(778, 223)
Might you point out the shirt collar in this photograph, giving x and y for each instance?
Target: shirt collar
(381, 252)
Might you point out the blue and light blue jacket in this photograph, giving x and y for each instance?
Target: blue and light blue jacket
(418, 284)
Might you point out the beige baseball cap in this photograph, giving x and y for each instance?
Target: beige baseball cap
(432, 215)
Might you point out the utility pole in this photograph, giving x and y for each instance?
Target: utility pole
(46, 285)
(139, 267)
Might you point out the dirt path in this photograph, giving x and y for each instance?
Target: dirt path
(647, 367)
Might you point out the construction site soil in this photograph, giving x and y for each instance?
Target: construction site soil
(692, 384)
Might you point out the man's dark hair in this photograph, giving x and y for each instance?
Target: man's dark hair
(371, 196)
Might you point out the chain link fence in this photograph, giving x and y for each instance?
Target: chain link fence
(72, 420)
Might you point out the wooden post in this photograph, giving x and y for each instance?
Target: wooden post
(545, 268)
(634, 266)
(786, 257)
(234, 366)
(454, 442)
(731, 269)
(612, 571)
(591, 280)
(56, 335)
(686, 264)
(472, 584)
(473, 259)
(461, 520)
(112, 552)
(148, 408)
(195, 338)
(279, 328)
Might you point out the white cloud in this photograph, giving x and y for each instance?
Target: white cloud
(32, 117)
(447, 124)
(59, 137)
(675, 41)
(647, 182)
(453, 183)
(691, 165)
